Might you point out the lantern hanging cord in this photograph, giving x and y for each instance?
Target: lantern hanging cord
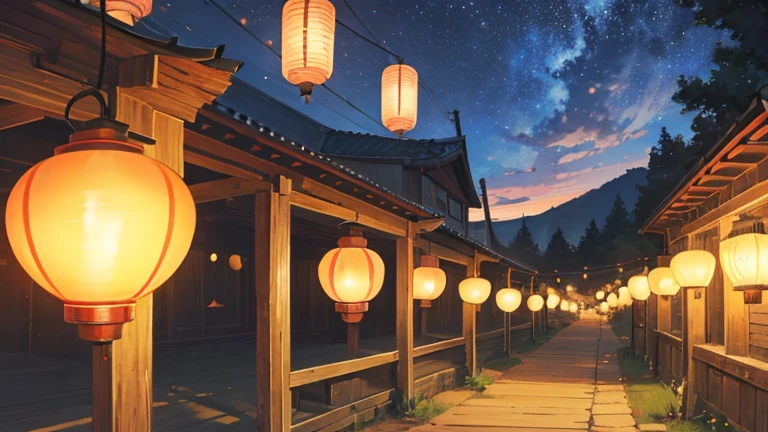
(103, 60)
(92, 92)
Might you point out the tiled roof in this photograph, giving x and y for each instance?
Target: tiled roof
(393, 150)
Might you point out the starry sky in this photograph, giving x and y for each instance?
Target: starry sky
(556, 97)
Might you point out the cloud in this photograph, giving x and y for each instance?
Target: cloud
(570, 157)
(506, 201)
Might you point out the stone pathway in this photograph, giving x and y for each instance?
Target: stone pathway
(572, 383)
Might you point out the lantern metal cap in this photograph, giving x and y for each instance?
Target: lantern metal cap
(99, 323)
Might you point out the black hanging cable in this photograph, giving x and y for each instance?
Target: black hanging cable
(103, 60)
(379, 46)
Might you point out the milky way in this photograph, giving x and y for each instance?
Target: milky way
(556, 97)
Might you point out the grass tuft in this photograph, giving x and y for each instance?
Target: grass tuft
(478, 382)
(503, 364)
(426, 409)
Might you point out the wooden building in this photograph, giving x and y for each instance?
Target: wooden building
(271, 187)
(711, 339)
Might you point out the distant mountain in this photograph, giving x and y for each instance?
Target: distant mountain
(573, 216)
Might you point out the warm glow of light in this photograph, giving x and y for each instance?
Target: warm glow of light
(565, 305)
(214, 257)
(235, 262)
(744, 259)
(95, 227)
(399, 98)
(693, 268)
(604, 307)
(553, 300)
(600, 295)
(535, 303)
(309, 28)
(662, 281)
(612, 300)
(474, 290)
(351, 274)
(574, 308)
(127, 11)
(625, 299)
(509, 299)
(569, 288)
(428, 283)
(638, 287)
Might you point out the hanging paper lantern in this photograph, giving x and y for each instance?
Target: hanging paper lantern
(600, 295)
(127, 11)
(235, 262)
(612, 300)
(745, 262)
(308, 37)
(214, 257)
(693, 268)
(474, 290)
(100, 225)
(428, 280)
(509, 299)
(552, 300)
(604, 308)
(351, 275)
(639, 288)
(662, 282)
(399, 98)
(535, 303)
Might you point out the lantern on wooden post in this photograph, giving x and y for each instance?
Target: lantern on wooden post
(309, 28)
(428, 284)
(351, 275)
(662, 282)
(552, 300)
(565, 305)
(535, 303)
(639, 288)
(600, 295)
(612, 300)
(693, 268)
(399, 98)
(604, 308)
(508, 300)
(745, 262)
(573, 308)
(475, 290)
(625, 299)
(99, 225)
(126, 11)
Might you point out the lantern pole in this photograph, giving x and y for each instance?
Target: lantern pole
(533, 314)
(508, 320)
(102, 387)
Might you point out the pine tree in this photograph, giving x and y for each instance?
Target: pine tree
(617, 222)
(588, 249)
(559, 252)
(524, 247)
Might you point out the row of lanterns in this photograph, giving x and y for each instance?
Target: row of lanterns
(235, 261)
(308, 35)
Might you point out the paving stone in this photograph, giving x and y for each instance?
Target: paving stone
(454, 397)
(614, 420)
(610, 387)
(614, 397)
(611, 409)
(613, 429)
(652, 427)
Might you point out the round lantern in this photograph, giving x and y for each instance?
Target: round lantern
(552, 300)
(214, 257)
(573, 308)
(308, 37)
(625, 299)
(639, 288)
(745, 262)
(662, 282)
(127, 11)
(100, 225)
(693, 268)
(428, 280)
(399, 98)
(535, 303)
(600, 295)
(612, 300)
(604, 308)
(235, 262)
(509, 299)
(474, 290)
(565, 305)
(351, 275)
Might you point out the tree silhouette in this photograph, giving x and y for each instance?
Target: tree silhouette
(588, 250)
(524, 248)
(617, 233)
(559, 252)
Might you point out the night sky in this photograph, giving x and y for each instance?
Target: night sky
(556, 97)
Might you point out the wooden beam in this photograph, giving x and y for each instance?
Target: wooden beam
(438, 346)
(333, 370)
(749, 148)
(219, 167)
(202, 143)
(226, 188)
(751, 198)
(469, 326)
(327, 420)
(273, 307)
(15, 114)
(404, 320)
(427, 225)
(444, 253)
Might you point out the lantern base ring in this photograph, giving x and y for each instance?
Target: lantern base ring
(425, 304)
(352, 313)
(753, 294)
(99, 323)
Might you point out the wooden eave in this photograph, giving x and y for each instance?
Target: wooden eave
(739, 151)
(50, 50)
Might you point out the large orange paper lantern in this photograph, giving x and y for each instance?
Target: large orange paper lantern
(693, 268)
(351, 275)
(100, 225)
(399, 98)
(474, 290)
(638, 287)
(428, 280)
(745, 262)
(309, 27)
(127, 11)
(662, 282)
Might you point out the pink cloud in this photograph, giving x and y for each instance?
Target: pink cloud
(570, 157)
(582, 135)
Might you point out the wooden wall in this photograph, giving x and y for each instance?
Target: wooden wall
(444, 319)
(670, 358)
(758, 332)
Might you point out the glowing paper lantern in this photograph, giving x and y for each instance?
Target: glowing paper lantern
(509, 299)
(399, 98)
(600, 295)
(309, 27)
(693, 268)
(573, 308)
(214, 257)
(639, 288)
(351, 275)
(625, 299)
(428, 280)
(100, 225)
(604, 308)
(474, 290)
(535, 303)
(565, 305)
(235, 262)
(745, 262)
(553, 300)
(612, 300)
(662, 282)
(127, 11)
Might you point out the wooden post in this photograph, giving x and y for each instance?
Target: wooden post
(736, 312)
(102, 418)
(533, 315)
(132, 354)
(273, 320)
(694, 332)
(404, 300)
(507, 334)
(469, 321)
(424, 316)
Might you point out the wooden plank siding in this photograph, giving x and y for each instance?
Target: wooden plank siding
(758, 332)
